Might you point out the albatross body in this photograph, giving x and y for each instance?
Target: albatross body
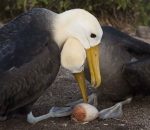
(29, 61)
(33, 46)
(125, 65)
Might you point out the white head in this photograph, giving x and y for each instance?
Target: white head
(79, 24)
(78, 33)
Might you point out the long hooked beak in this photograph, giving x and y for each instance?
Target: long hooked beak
(93, 63)
(81, 82)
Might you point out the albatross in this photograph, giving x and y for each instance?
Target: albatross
(32, 48)
(124, 65)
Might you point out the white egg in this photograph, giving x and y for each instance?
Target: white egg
(84, 112)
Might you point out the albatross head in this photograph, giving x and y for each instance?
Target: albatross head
(79, 33)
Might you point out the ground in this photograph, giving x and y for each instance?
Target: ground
(136, 114)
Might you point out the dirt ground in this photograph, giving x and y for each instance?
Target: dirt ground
(136, 114)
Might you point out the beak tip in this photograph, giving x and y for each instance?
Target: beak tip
(96, 84)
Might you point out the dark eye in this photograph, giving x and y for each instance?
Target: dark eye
(93, 35)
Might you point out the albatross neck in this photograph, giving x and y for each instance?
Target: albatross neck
(62, 24)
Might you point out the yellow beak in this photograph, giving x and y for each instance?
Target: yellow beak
(81, 82)
(93, 63)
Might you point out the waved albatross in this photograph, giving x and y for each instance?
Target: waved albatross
(124, 65)
(32, 47)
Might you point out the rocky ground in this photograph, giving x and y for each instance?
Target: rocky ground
(136, 114)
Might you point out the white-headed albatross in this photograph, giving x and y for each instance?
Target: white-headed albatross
(32, 47)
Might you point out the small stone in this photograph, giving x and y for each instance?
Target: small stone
(122, 125)
(106, 124)
(64, 124)
(45, 125)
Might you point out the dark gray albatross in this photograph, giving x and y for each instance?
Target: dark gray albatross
(32, 47)
(124, 65)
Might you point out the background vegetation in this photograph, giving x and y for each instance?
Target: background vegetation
(115, 12)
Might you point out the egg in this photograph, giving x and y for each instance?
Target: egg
(84, 112)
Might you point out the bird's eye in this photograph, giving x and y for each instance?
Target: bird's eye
(93, 35)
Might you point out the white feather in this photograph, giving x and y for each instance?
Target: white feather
(77, 23)
(73, 55)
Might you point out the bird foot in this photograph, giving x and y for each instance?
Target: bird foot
(114, 111)
(60, 111)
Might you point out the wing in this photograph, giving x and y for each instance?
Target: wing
(24, 38)
(23, 42)
(137, 75)
(131, 44)
(28, 82)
